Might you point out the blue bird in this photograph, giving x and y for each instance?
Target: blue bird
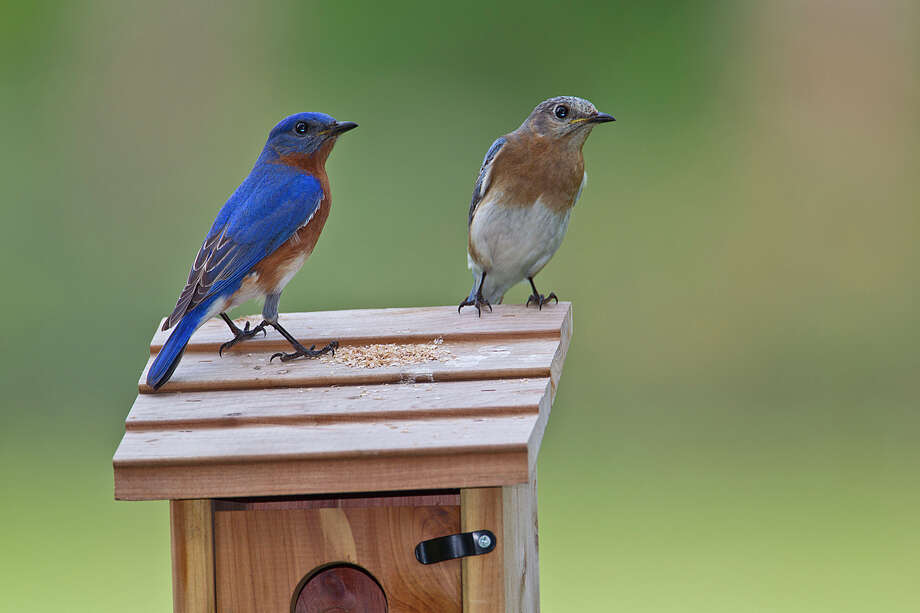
(522, 201)
(260, 239)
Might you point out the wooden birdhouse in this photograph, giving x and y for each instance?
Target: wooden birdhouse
(398, 475)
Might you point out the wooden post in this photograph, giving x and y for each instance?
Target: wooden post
(483, 576)
(191, 526)
(522, 565)
(506, 580)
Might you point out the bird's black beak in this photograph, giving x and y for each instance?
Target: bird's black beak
(601, 118)
(342, 126)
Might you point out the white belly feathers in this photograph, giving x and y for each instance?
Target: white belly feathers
(513, 243)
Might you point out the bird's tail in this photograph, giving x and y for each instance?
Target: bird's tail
(168, 358)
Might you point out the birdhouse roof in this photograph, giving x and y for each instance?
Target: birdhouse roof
(414, 398)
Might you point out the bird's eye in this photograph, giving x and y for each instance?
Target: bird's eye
(301, 127)
(561, 111)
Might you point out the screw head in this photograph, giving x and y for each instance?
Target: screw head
(484, 541)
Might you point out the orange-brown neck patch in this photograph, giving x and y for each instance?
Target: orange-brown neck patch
(531, 167)
(313, 163)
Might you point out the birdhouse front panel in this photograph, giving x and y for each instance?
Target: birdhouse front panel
(264, 552)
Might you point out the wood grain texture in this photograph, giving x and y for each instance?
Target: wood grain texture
(507, 580)
(341, 589)
(319, 476)
(345, 440)
(240, 426)
(566, 328)
(399, 325)
(522, 564)
(262, 556)
(327, 405)
(192, 539)
(469, 360)
(483, 575)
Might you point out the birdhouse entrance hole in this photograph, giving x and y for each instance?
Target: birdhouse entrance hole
(339, 588)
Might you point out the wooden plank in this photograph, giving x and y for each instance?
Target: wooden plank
(398, 325)
(565, 338)
(340, 440)
(320, 405)
(192, 538)
(506, 580)
(522, 565)
(320, 476)
(181, 459)
(262, 556)
(469, 360)
(483, 575)
(542, 419)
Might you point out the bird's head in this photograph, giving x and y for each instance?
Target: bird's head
(566, 118)
(306, 135)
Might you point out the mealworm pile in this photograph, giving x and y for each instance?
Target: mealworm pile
(390, 354)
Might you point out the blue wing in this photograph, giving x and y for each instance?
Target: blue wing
(485, 175)
(264, 212)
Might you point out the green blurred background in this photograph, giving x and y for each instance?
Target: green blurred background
(737, 426)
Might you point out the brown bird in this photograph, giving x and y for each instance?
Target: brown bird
(522, 201)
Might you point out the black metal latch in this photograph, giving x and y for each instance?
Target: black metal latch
(462, 545)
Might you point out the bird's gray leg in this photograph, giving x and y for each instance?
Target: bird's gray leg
(270, 308)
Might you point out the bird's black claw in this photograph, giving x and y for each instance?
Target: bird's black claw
(241, 335)
(540, 299)
(303, 352)
(478, 302)
(256, 330)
